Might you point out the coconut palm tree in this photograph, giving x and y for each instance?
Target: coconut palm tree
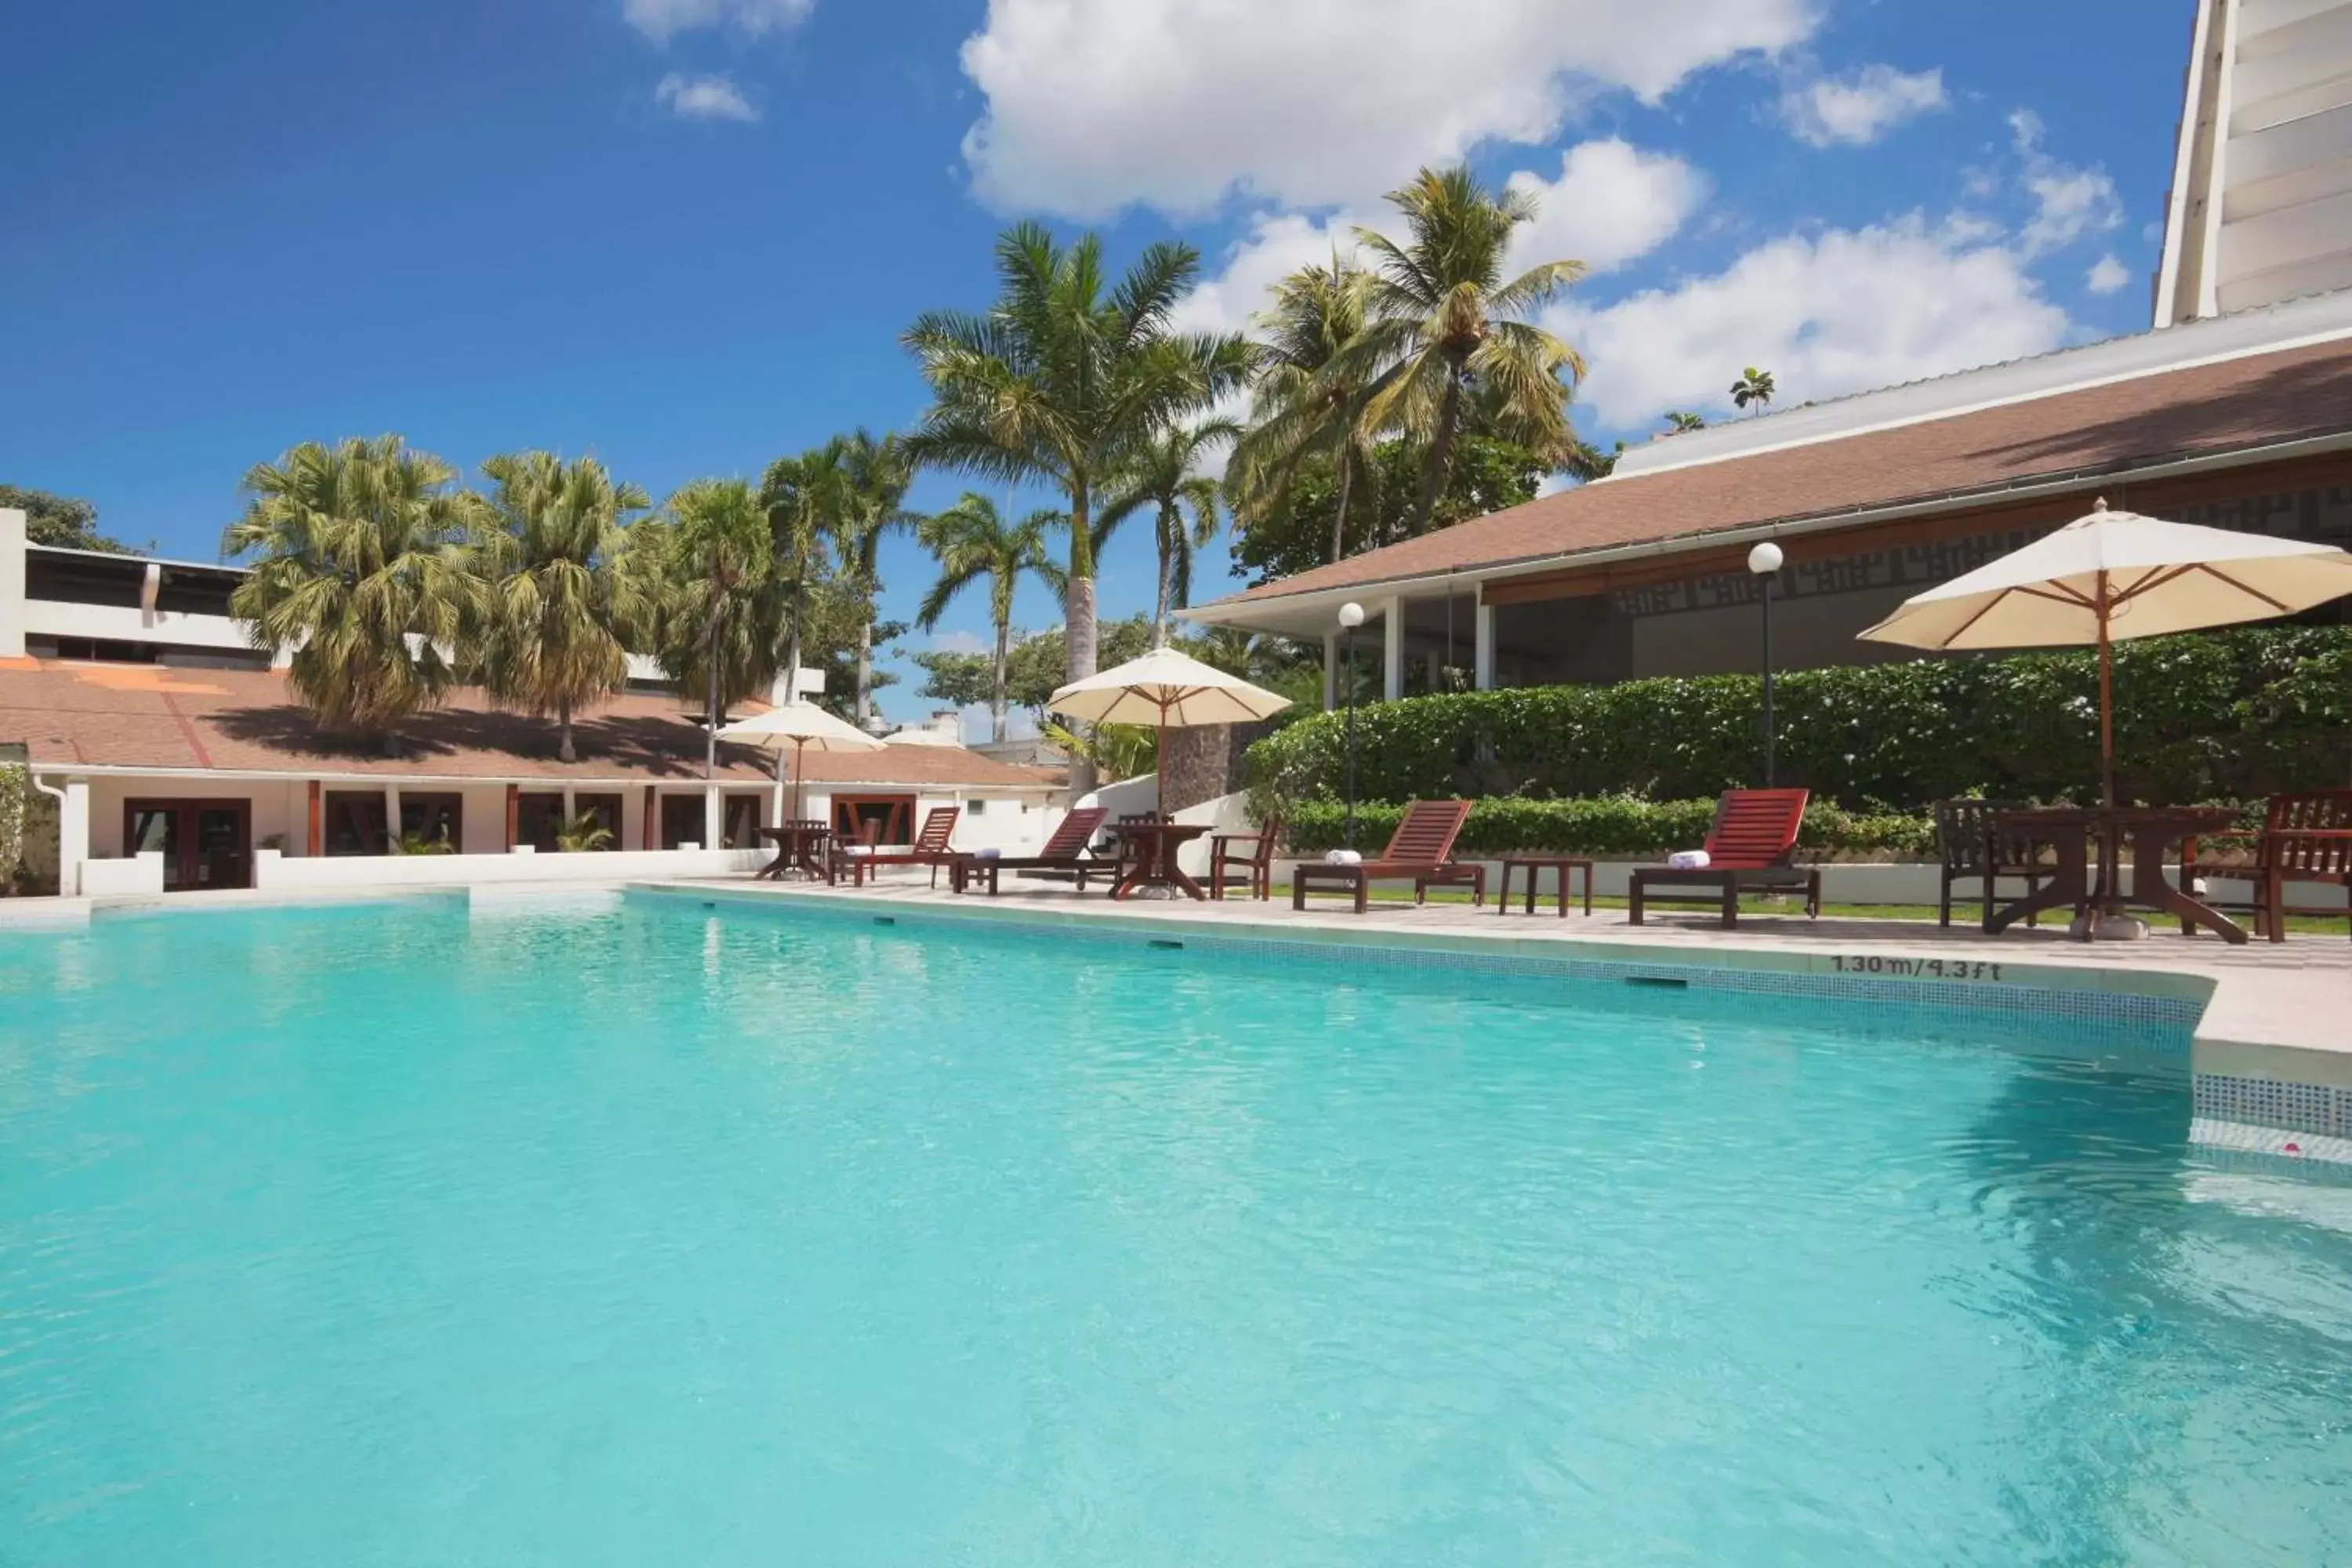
(1753, 390)
(876, 474)
(807, 499)
(1057, 380)
(1163, 475)
(1309, 395)
(1444, 321)
(972, 542)
(363, 572)
(549, 546)
(721, 604)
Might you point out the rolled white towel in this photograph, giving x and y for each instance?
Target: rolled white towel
(990, 854)
(1688, 861)
(1342, 857)
(857, 850)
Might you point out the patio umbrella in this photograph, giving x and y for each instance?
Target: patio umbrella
(1165, 689)
(800, 725)
(2117, 575)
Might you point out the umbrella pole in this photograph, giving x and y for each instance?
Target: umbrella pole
(800, 779)
(1160, 766)
(2106, 703)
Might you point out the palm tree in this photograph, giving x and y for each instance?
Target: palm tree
(1678, 422)
(877, 475)
(720, 601)
(972, 542)
(1163, 474)
(364, 573)
(1443, 320)
(808, 502)
(1754, 388)
(560, 606)
(1306, 401)
(1062, 376)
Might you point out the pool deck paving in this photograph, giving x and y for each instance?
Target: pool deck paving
(2273, 1018)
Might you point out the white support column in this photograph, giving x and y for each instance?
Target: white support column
(391, 817)
(11, 583)
(73, 836)
(714, 827)
(1486, 654)
(1330, 670)
(1392, 649)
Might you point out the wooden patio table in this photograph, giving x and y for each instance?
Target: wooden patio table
(1534, 866)
(2148, 833)
(1154, 864)
(800, 847)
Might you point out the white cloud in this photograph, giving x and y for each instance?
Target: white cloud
(1858, 108)
(1611, 203)
(1842, 312)
(2068, 203)
(1093, 104)
(661, 20)
(704, 98)
(958, 642)
(2108, 276)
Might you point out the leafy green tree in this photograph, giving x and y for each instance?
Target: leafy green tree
(876, 474)
(560, 606)
(1310, 392)
(1678, 422)
(719, 603)
(1488, 474)
(1445, 325)
(1753, 391)
(62, 522)
(1060, 378)
(972, 543)
(1162, 476)
(363, 570)
(808, 503)
(1036, 668)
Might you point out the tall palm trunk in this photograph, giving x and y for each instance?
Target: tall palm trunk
(1078, 623)
(1339, 516)
(792, 643)
(711, 707)
(1168, 547)
(563, 751)
(865, 671)
(998, 669)
(1441, 454)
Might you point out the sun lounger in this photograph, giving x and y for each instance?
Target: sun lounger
(1421, 848)
(1748, 849)
(930, 849)
(1063, 851)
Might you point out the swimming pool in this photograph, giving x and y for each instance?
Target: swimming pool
(660, 1234)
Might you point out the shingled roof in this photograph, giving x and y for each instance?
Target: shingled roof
(71, 715)
(2239, 404)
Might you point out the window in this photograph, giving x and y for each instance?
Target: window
(355, 822)
(433, 821)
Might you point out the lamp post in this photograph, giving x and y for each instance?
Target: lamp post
(1765, 562)
(1352, 615)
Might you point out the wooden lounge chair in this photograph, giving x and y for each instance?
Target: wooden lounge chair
(1249, 853)
(1973, 848)
(1063, 850)
(2305, 838)
(930, 849)
(1421, 848)
(1748, 849)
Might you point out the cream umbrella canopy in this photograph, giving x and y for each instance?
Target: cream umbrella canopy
(2117, 575)
(1165, 689)
(799, 725)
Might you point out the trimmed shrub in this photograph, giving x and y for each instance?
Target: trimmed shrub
(2229, 715)
(1608, 828)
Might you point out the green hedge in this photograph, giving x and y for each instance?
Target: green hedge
(2212, 716)
(1613, 827)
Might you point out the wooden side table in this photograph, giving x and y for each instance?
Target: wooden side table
(1535, 863)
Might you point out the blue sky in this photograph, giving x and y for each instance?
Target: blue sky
(684, 235)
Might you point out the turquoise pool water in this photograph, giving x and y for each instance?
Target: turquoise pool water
(666, 1235)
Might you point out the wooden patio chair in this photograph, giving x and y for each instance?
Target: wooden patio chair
(1973, 848)
(1249, 853)
(1421, 848)
(1749, 848)
(930, 849)
(2306, 837)
(1065, 849)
